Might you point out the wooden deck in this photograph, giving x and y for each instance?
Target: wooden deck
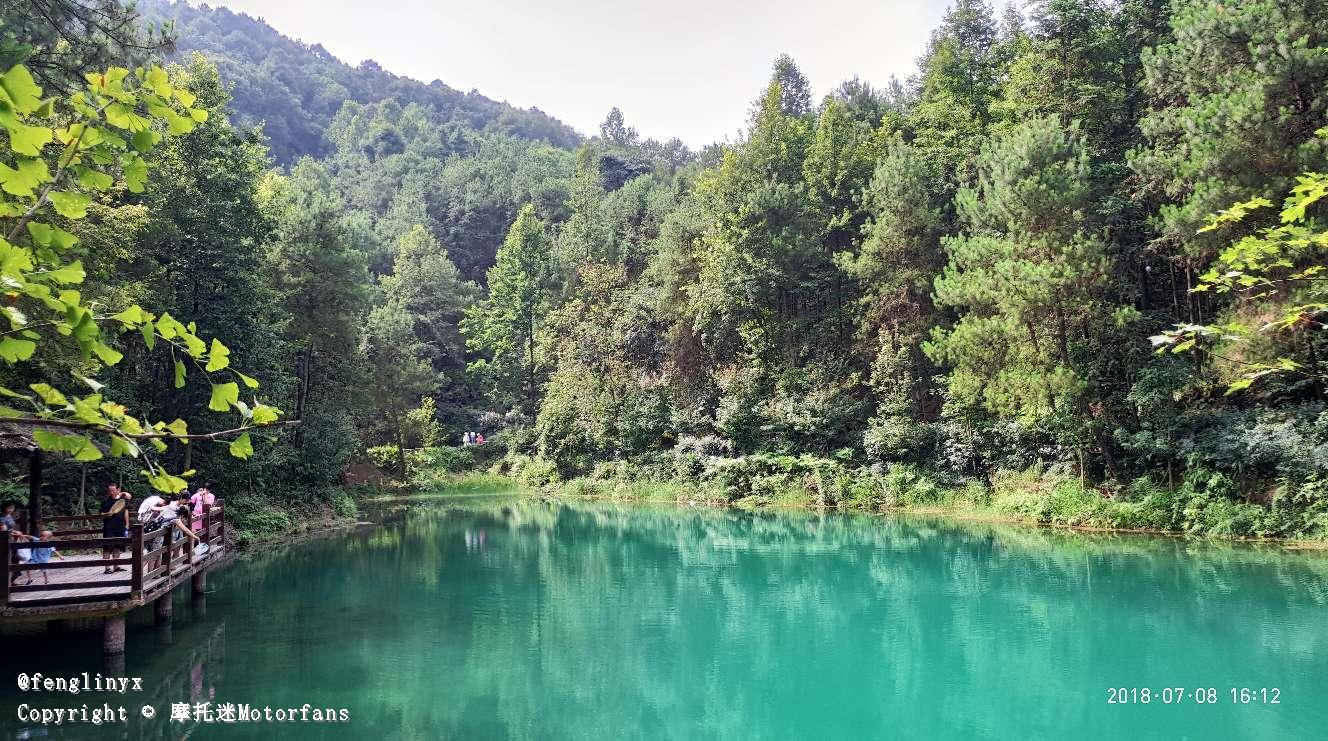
(77, 585)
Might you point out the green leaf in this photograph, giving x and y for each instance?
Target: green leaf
(242, 447)
(124, 117)
(13, 350)
(158, 81)
(87, 451)
(24, 180)
(49, 394)
(179, 374)
(223, 396)
(29, 140)
(108, 354)
(18, 86)
(41, 233)
(121, 447)
(72, 273)
(135, 173)
(265, 415)
(144, 140)
(1239, 385)
(70, 205)
(218, 357)
(132, 316)
(166, 482)
(178, 427)
(80, 447)
(248, 381)
(94, 179)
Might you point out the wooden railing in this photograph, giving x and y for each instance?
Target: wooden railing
(147, 568)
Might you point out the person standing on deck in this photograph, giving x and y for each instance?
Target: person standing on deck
(114, 522)
(201, 503)
(150, 510)
(8, 523)
(173, 514)
(42, 555)
(181, 521)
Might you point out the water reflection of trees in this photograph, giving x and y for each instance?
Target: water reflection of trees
(593, 618)
(602, 620)
(181, 664)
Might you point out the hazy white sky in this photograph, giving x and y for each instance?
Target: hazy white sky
(685, 68)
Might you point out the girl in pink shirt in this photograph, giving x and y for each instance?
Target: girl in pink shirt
(200, 503)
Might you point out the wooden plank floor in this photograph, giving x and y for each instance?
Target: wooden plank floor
(94, 571)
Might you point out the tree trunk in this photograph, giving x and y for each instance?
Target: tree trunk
(530, 365)
(302, 394)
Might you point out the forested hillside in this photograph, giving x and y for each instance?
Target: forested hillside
(1068, 269)
(295, 90)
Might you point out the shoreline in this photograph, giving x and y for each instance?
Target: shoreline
(559, 491)
(485, 483)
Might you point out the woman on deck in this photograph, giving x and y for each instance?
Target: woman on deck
(201, 502)
(181, 520)
(7, 522)
(115, 522)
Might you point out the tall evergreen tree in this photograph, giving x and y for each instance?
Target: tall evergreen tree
(322, 284)
(503, 327)
(1029, 277)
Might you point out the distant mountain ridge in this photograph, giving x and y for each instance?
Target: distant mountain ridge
(295, 89)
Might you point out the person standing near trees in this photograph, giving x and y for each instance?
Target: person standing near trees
(115, 522)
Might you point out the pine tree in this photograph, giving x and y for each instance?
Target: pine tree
(504, 325)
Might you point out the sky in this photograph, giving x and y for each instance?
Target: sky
(684, 68)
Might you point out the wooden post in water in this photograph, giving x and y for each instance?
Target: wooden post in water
(162, 609)
(198, 585)
(113, 634)
(136, 553)
(167, 546)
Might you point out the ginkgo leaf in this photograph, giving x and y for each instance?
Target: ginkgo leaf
(219, 356)
(242, 446)
(70, 205)
(223, 396)
(12, 350)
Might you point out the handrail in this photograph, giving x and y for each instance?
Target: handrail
(22, 567)
(71, 518)
(143, 577)
(78, 544)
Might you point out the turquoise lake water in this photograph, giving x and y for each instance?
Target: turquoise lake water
(496, 617)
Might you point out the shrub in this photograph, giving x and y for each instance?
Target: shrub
(255, 520)
(449, 459)
(531, 471)
(385, 457)
(342, 504)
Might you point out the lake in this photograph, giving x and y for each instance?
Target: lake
(501, 616)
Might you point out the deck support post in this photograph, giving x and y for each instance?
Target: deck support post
(199, 585)
(4, 565)
(136, 554)
(34, 492)
(113, 635)
(162, 607)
